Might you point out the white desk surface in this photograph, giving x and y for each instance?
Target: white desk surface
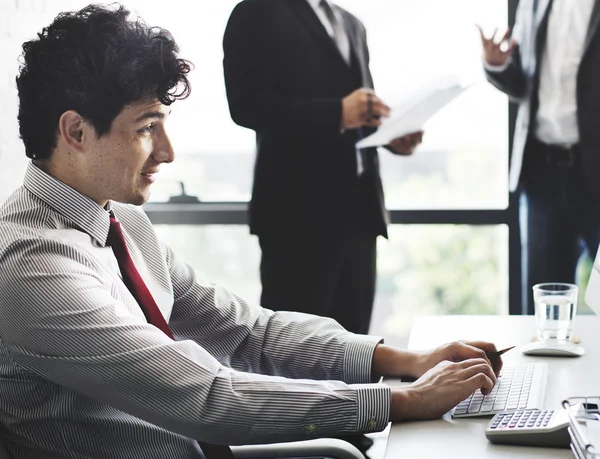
(465, 438)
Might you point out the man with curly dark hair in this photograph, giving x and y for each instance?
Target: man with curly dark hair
(112, 348)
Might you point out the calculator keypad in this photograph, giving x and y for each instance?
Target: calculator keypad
(532, 419)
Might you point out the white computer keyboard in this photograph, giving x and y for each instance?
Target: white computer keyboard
(517, 388)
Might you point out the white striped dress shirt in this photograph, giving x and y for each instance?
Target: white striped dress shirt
(83, 375)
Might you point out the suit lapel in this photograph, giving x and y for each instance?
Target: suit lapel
(356, 41)
(542, 9)
(541, 15)
(306, 14)
(593, 27)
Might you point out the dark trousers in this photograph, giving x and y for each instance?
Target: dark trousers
(559, 216)
(328, 275)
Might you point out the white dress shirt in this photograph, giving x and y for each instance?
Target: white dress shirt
(568, 23)
(85, 376)
(556, 120)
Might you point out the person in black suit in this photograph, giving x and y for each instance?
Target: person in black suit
(297, 73)
(551, 68)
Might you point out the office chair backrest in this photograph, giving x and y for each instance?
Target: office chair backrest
(3, 453)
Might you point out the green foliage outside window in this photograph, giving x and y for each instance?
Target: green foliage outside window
(442, 269)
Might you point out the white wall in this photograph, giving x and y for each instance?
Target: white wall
(13, 14)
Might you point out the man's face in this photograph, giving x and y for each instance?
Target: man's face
(122, 164)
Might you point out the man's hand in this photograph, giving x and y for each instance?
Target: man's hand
(394, 362)
(456, 352)
(363, 108)
(495, 52)
(405, 145)
(441, 388)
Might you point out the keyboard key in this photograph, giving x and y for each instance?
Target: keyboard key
(474, 409)
(513, 391)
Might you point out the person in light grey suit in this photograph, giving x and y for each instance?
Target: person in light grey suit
(550, 67)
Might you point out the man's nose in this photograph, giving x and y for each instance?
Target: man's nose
(164, 150)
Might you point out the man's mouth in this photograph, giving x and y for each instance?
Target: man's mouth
(149, 175)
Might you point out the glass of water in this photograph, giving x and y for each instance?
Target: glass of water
(555, 310)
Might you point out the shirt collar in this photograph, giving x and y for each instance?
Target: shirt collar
(86, 214)
(314, 3)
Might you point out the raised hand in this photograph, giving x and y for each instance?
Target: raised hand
(497, 52)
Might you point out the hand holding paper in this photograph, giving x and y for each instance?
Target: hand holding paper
(406, 145)
(411, 119)
(363, 108)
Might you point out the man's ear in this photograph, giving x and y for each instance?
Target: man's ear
(71, 129)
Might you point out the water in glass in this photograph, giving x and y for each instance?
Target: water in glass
(555, 316)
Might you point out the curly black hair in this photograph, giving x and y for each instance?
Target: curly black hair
(94, 61)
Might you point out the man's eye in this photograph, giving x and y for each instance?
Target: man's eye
(148, 129)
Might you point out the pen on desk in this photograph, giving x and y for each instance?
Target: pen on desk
(491, 355)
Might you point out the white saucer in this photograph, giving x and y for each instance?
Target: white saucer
(553, 348)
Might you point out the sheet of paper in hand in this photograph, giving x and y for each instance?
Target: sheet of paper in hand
(412, 118)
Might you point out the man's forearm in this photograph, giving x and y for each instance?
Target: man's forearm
(391, 361)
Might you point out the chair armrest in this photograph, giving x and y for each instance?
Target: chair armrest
(320, 447)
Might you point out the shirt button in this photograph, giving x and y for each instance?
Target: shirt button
(372, 424)
(311, 428)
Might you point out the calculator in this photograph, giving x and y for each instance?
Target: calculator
(545, 428)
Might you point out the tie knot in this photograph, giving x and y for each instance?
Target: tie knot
(327, 7)
(115, 234)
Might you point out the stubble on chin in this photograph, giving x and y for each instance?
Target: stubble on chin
(140, 198)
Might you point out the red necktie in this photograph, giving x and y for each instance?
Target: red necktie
(134, 282)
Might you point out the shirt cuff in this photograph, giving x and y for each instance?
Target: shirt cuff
(374, 404)
(358, 359)
(495, 68)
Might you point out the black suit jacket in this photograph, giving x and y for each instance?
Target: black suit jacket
(520, 80)
(285, 79)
